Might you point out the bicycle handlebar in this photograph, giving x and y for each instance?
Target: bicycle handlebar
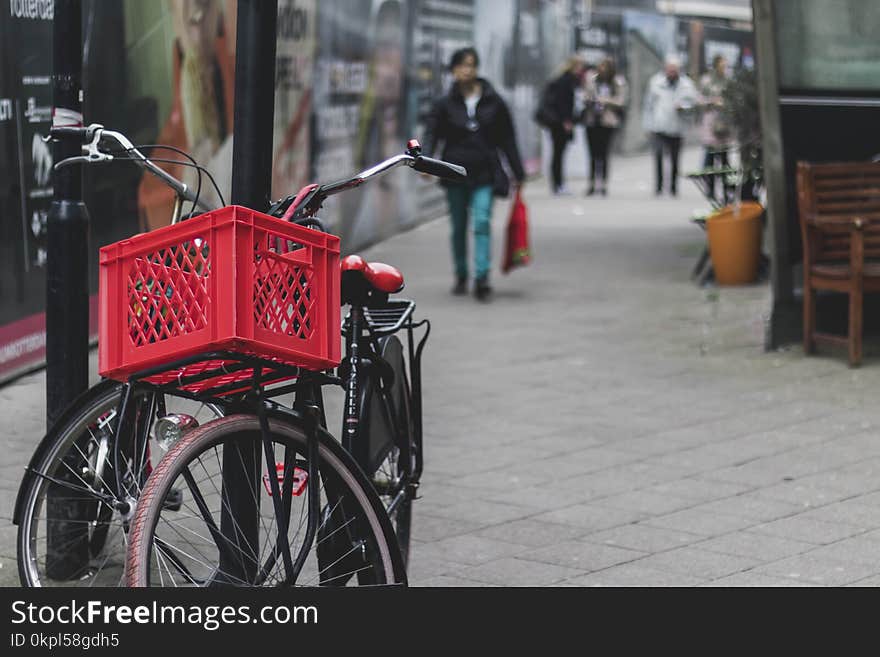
(298, 209)
(93, 134)
(310, 200)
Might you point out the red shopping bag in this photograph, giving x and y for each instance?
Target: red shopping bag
(516, 250)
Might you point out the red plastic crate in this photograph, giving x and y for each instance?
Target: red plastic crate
(233, 279)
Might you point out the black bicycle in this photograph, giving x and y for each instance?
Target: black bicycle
(259, 493)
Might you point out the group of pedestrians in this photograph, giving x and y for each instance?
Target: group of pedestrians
(670, 102)
(604, 101)
(471, 125)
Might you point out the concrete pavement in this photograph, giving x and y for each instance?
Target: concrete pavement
(604, 421)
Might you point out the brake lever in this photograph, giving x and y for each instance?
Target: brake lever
(83, 159)
(91, 154)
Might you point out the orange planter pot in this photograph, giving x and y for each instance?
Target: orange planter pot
(734, 234)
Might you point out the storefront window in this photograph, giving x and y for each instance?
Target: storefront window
(828, 45)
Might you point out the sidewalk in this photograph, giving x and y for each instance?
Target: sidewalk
(605, 421)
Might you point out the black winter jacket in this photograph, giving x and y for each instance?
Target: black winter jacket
(560, 99)
(476, 150)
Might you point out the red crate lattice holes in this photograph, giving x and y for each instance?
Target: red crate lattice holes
(168, 292)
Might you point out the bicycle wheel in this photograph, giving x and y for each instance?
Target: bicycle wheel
(391, 458)
(69, 531)
(207, 544)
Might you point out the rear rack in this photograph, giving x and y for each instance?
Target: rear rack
(221, 376)
(388, 318)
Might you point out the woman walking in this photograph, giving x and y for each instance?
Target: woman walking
(557, 107)
(474, 124)
(603, 114)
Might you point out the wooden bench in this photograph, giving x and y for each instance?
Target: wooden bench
(839, 208)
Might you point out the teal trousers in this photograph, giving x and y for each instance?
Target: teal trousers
(476, 201)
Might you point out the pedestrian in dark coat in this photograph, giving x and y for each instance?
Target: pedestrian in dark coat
(474, 125)
(557, 106)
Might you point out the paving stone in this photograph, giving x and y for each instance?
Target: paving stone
(700, 490)
(590, 517)
(806, 495)
(645, 502)
(850, 512)
(857, 549)
(483, 512)
(698, 563)
(422, 566)
(9, 570)
(808, 530)
(518, 572)
(752, 545)
(583, 556)
(701, 522)
(751, 578)
(434, 528)
(643, 537)
(820, 571)
(753, 475)
(531, 533)
(448, 581)
(543, 497)
(633, 574)
(468, 549)
(750, 506)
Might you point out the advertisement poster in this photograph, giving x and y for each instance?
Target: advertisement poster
(294, 66)
(359, 84)
(25, 179)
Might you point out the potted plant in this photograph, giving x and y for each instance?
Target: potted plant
(734, 231)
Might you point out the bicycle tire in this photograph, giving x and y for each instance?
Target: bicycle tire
(79, 559)
(399, 462)
(355, 532)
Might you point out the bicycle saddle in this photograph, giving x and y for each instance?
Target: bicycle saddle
(379, 276)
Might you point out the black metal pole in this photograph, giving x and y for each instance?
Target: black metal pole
(67, 289)
(67, 293)
(254, 103)
(251, 186)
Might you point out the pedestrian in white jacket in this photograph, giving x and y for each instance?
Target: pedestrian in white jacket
(669, 101)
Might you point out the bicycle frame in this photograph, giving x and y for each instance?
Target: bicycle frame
(363, 335)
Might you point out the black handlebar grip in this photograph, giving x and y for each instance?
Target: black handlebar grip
(439, 168)
(68, 131)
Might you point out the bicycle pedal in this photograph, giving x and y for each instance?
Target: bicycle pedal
(174, 500)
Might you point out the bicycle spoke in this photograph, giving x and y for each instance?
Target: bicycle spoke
(206, 516)
(224, 505)
(103, 563)
(86, 460)
(176, 531)
(329, 566)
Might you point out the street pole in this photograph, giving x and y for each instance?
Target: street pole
(251, 185)
(67, 296)
(67, 250)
